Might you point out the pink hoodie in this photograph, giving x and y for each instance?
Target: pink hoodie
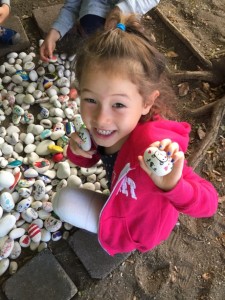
(137, 214)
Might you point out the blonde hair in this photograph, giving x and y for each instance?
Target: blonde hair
(128, 52)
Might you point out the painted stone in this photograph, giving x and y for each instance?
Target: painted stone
(16, 251)
(56, 236)
(39, 190)
(57, 157)
(85, 136)
(34, 233)
(6, 246)
(55, 149)
(41, 165)
(23, 204)
(157, 161)
(26, 183)
(6, 201)
(25, 241)
(17, 177)
(51, 224)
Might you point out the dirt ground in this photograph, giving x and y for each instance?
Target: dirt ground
(190, 264)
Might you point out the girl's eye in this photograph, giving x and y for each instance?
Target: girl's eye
(119, 105)
(89, 100)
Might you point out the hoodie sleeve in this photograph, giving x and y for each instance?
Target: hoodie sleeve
(80, 160)
(67, 16)
(138, 7)
(193, 195)
(5, 2)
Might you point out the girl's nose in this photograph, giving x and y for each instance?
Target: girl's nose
(101, 117)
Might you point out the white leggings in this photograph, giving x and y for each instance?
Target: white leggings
(79, 207)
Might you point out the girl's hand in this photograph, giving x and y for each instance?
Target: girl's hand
(75, 142)
(49, 44)
(168, 182)
(4, 12)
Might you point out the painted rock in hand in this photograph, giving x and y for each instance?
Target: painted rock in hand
(157, 161)
(85, 136)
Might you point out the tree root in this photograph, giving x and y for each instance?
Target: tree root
(218, 112)
(206, 76)
(181, 35)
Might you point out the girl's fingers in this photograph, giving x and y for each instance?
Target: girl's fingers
(75, 137)
(164, 143)
(178, 157)
(76, 149)
(172, 148)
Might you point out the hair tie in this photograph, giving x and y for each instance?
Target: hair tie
(121, 26)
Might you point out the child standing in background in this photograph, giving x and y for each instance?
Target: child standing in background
(89, 15)
(123, 93)
(7, 36)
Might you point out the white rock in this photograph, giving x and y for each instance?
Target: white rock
(74, 180)
(33, 75)
(6, 224)
(89, 186)
(30, 148)
(55, 135)
(63, 170)
(42, 246)
(13, 266)
(42, 148)
(29, 99)
(45, 235)
(16, 233)
(17, 79)
(43, 214)
(7, 149)
(30, 173)
(16, 251)
(6, 179)
(4, 264)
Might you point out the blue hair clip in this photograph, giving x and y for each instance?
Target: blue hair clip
(121, 26)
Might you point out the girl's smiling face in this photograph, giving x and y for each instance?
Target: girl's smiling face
(111, 107)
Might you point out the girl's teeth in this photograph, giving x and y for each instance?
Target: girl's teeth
(105, 132)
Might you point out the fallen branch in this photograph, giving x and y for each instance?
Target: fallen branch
(206, 76)
(218, 113)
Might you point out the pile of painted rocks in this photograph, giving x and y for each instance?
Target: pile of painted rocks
(38, 112)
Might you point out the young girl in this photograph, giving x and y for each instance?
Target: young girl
(121, 86)
(7, 36)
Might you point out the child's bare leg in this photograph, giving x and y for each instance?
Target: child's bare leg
(79, 207)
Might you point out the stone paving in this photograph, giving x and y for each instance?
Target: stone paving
(53, 272)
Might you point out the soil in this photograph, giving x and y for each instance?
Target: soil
(190, 264)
